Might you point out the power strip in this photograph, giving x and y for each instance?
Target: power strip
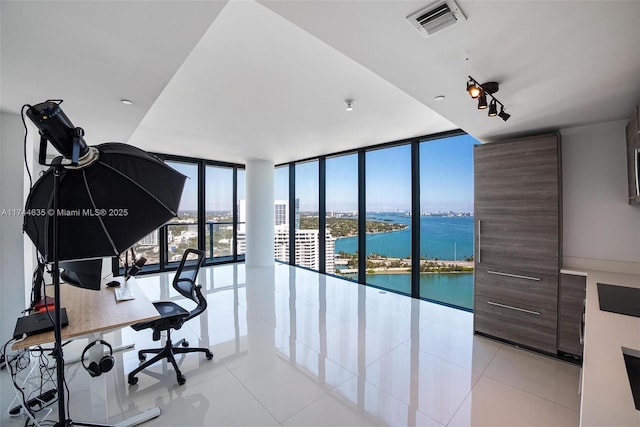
(36, 403)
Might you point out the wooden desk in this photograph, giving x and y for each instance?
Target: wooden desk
(95, 311)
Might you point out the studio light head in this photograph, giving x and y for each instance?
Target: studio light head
(55, 127)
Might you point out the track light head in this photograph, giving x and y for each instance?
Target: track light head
(493, 108)
(503, 115)
(482, 101)
(490, 87)
(473, 89)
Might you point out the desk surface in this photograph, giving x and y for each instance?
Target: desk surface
(95, 311)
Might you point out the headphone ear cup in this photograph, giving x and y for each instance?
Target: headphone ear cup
(106, 363)
(94, 369)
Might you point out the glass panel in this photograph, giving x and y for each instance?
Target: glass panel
(182, 232)
(219, 211)
(281, 206)
(388, 213)
(242, 212)
(306, 215)
(342, 215)
(446, 222)
(149, 247)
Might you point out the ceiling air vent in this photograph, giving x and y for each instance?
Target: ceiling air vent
(435, 17)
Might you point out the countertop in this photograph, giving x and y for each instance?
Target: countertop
(606, 393)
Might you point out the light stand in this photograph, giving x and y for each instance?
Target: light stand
(55, 127)
(57, 329)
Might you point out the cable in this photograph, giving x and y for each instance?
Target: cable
(24, 123)
(13, 378)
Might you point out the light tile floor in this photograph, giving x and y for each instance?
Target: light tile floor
(296, 348)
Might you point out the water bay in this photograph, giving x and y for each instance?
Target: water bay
(442, 237)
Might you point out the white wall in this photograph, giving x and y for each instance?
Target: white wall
(598, 222)
(12, 277)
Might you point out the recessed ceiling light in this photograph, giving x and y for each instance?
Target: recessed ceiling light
(439, 98)
(349, 103)
(126, 101)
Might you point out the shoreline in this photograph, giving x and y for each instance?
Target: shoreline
(404, 269)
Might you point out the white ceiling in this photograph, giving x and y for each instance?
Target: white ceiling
(240, 80)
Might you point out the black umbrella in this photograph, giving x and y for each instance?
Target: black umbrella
(103, 208)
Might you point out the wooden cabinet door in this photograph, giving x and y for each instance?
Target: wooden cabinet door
(570, 308)
(517, 204)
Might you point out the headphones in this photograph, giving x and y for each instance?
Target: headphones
(105, 364)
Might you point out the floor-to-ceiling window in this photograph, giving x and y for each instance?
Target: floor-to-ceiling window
(207, 217)
(388, 218)
(241, 207)
(341, 179)
(219, 241)
(306, 229)
(412, 203)
(446, 221)
(281, 207)
(182, 232)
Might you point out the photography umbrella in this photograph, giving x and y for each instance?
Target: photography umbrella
(105, 207)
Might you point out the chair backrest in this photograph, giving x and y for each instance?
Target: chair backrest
(185, 279)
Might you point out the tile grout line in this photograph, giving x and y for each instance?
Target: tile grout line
(473, 386)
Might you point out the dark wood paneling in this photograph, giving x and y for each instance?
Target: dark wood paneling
(500, 283)
(570, 308)
(517, 212)
(530, 329)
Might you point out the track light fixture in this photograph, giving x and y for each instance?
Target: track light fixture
(481, 91)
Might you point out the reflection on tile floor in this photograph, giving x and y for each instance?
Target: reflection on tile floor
(295, 348)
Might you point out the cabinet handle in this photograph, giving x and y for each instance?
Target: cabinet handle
(517, 276)
(513, 308)
(479, 241)
(581, 330)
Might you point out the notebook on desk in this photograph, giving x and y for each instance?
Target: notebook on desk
(37, 323)
(124, 293)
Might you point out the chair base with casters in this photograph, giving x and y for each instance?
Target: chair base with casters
(167, 352)
(173, 316)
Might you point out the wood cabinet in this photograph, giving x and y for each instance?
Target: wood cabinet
(571, 300)
(517, 241)
(633, 145)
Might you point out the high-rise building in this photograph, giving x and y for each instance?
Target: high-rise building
(281, 212)
(150, 239)
(307, 244)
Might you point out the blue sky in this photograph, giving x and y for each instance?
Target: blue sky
(446, 180)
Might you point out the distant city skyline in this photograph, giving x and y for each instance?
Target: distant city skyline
(446, 180)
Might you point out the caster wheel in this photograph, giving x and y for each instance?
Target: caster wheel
(181, 380)
(209, 355)
(185, 343)
(133, 381)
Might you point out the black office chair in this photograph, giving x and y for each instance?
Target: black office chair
(174, 316)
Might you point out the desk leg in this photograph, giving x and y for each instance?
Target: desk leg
(140, 418)
(99, 390)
